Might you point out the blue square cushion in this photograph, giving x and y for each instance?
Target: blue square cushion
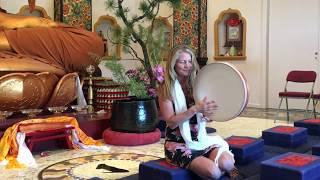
(285, 136)
(313, 125)
(245, 149)
(291, 166)
(160, 169)
(316, 149)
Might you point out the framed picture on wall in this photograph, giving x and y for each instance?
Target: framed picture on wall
(233, 33)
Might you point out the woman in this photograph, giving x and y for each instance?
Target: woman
(187, 144)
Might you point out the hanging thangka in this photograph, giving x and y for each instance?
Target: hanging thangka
(76, 13)
(190, 27)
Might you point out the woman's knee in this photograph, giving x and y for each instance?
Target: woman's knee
(214, 173)
(205, 168)
(226, 161)
(211, 172)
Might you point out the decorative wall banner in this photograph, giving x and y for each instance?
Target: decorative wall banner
(76, 13)
(190, 27)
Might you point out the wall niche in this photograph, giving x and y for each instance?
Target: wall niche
(38, 12)
(104, 27)
(230, 36)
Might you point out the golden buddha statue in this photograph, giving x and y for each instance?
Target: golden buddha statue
(37, 45)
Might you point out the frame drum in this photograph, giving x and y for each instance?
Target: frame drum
(224, 84)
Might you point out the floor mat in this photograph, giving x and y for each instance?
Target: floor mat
(103, 166)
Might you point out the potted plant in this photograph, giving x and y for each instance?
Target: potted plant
(139, 114)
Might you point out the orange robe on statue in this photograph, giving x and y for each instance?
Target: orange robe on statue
(64, 46)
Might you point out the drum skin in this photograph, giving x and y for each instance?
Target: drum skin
(224, 84)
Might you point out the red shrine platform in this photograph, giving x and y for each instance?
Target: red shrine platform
(92, 124)
(96, 126)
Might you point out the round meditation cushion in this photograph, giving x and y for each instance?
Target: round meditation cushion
(130, 139)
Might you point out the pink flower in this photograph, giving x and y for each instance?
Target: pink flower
(158, 72)
(233, 22)
(152, 92)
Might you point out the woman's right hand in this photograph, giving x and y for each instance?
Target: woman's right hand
(207, 108)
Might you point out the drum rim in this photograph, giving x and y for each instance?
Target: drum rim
(244, 85)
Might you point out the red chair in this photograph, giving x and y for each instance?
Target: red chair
(308, 77)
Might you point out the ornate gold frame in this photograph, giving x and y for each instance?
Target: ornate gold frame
(37, 8)
(219, 22)
(113, 22)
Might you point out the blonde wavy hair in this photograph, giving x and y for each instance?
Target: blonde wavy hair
(170, 74)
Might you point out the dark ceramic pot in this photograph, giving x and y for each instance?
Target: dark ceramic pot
(134, 115)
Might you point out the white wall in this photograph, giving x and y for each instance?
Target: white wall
(294, 42)
(254, 68)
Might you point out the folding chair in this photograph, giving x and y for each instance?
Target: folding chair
(297, 77)
(315, 100)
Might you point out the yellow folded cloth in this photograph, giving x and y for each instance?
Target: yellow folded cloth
(9, 146)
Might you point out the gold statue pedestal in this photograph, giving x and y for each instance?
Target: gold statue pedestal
(29, 84)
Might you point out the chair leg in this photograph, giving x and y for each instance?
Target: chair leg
(287, 106)
(277, 115)
(307, 108)
(315, 102)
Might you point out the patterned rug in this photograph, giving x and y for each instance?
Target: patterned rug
(102, 166)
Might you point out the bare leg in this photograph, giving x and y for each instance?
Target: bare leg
(205, 168)
(225, 161)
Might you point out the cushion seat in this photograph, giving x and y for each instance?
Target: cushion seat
(245, 149)
(160, 169)
(316, 96)
(294, 94)
(130, 139)
(291, 166)
(285, 136)
(313, 125)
